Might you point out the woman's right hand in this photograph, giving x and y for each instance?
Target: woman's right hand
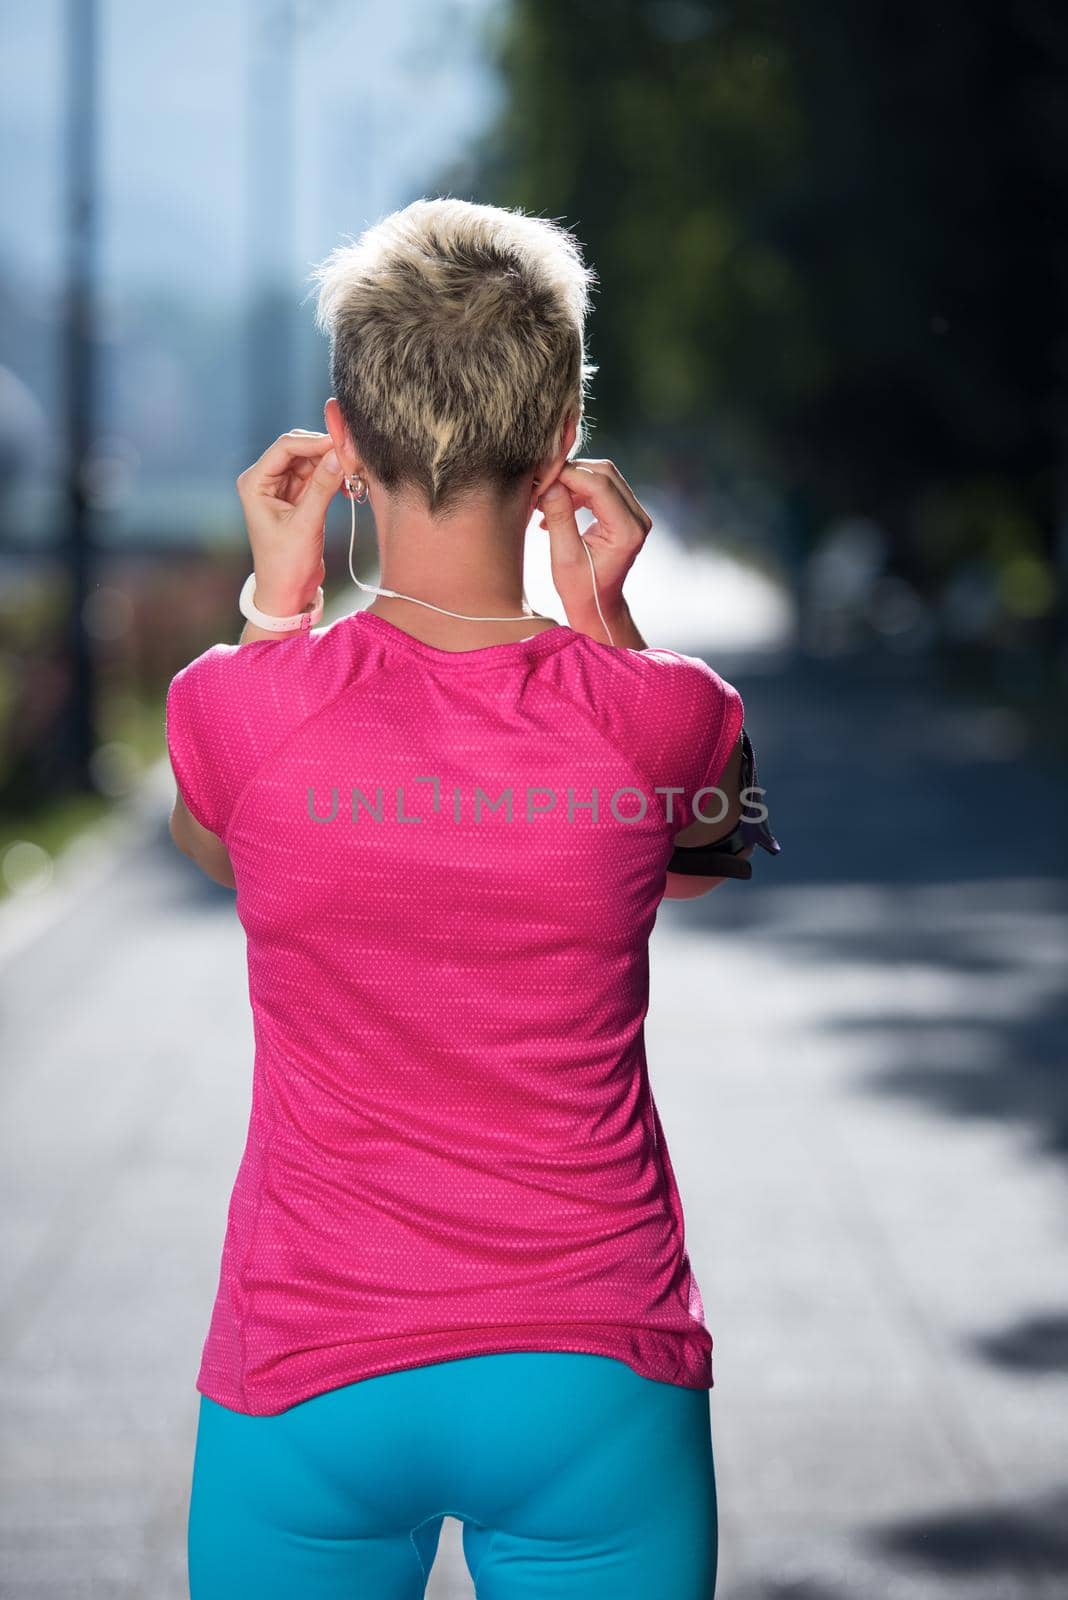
(613, 540)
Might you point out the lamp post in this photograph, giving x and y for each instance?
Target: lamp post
(270, 159)
(78, 731)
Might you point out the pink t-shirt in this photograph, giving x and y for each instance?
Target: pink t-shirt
(453, 1147)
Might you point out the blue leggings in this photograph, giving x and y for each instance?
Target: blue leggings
(572, 1474)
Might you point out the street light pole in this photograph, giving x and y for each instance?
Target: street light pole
(270, 159)
(79, 735)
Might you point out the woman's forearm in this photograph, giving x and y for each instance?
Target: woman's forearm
(625, 635)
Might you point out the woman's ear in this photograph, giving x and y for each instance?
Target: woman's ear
(339, 433)
(547, 474)
(543, 480)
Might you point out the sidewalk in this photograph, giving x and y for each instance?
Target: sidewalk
(858, 1058)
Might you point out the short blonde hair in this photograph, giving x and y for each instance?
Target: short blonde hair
(457, 344)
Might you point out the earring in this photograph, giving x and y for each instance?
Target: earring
(357, 488)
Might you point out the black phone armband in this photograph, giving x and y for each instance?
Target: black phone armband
(722, 858)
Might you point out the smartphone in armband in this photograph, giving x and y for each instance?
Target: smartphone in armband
(723, 858)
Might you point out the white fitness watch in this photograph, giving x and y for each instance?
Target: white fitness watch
(302, 620)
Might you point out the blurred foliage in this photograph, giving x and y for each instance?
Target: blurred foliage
(146, 616)
(833, 244)
(42, 836)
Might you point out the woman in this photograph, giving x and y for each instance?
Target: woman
(454, 1278)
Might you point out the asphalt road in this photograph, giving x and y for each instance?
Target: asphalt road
(859, 1062)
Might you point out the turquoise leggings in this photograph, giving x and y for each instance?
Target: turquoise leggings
(572, 1475)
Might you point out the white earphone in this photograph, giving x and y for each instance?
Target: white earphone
(370, 588)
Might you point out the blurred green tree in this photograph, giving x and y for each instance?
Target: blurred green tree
(833, 243)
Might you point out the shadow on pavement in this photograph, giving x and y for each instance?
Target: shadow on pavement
(1034, 1345)
(1029, 1539)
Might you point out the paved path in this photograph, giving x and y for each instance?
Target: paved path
(858, 1058)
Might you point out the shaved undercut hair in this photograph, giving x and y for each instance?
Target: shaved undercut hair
(457, 345)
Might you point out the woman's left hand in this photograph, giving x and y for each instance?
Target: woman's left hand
(285, 496)
(612, 541)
